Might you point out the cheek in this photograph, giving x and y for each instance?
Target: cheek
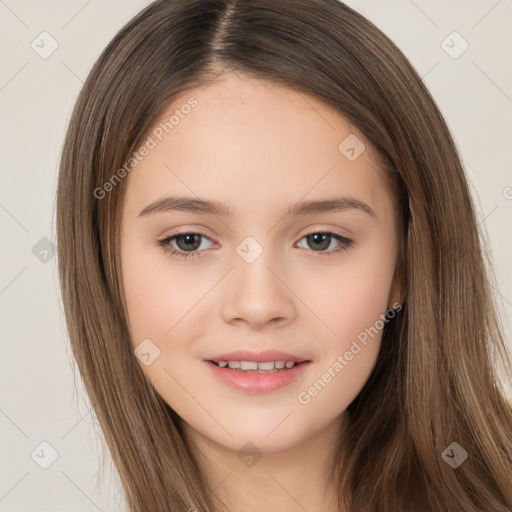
(349, 299)
(157, 299)
(160, 299)
(353, 307)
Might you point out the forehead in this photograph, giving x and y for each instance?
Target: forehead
(249, 143)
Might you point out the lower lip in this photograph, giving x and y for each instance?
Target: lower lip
(257, 382)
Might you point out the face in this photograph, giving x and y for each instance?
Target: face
(271, 268)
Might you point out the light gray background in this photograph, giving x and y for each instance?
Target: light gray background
(38, 401)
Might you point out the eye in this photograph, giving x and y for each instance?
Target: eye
(188, 244)
(321, 240)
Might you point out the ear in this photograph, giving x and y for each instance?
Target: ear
(397, 290)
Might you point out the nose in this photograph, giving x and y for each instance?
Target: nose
(256, 294)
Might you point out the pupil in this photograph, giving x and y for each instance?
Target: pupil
(192, 242)
(320, 238)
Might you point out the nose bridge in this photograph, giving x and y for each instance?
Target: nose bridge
(253, 267)
(255, 292)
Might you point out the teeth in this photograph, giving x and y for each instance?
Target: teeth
(248, 365)
(268, 366)
(264, 366)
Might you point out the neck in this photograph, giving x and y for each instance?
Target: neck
(298, 478)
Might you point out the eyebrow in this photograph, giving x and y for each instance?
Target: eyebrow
(203, 206)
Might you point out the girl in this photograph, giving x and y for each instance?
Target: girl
(271, 270)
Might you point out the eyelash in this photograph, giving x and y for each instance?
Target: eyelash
(165, 244)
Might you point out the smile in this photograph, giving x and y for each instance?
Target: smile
(265, 366)
(257, 377)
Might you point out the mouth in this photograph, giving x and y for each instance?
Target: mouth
(258, 367)
(256, 377)
(264, 360)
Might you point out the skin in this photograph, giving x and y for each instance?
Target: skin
(259, 148)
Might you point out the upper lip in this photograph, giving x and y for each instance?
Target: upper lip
(258, 357)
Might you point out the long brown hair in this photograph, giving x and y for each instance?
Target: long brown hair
(435, 381)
